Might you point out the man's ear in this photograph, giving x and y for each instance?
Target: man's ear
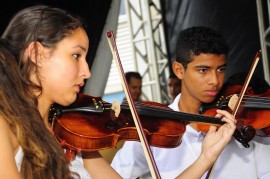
(178, 70)
(35, 52)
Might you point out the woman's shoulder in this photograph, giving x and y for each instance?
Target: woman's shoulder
(9, 146)
(7, 137)
(5, 129)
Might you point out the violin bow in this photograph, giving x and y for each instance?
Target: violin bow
(147, 151)
(244, 88)
(241, 95)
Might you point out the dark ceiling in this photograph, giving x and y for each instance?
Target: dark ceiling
(94, 12)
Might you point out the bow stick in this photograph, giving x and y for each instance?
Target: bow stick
(147, 151)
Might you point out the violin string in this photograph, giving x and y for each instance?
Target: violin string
(257, 98)
(151, 109)
(249, 101)
(166, 112)
(254, 101)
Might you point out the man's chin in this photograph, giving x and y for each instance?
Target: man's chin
(208, 100)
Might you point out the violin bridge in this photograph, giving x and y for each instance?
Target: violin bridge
(116, 108)
(233, 101)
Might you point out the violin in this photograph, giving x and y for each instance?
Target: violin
(253, 114)
(90, 124)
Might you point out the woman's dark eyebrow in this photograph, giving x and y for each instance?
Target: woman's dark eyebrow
(81, 47)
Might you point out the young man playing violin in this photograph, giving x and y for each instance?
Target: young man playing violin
(200, 64)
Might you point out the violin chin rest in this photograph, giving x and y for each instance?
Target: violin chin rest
(248, 133)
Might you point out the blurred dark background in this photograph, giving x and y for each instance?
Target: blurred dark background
(94, 12)
(236, 20)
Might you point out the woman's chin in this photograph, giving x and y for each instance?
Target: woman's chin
(68, 101)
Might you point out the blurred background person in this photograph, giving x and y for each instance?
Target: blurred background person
(173, 87)
(134, 80)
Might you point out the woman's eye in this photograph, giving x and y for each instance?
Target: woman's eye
(76, 56)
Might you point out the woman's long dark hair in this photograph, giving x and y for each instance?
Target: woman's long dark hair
(43, 156)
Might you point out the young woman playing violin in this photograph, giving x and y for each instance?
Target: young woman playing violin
(200, 64)
(28, 149)
(51, 47)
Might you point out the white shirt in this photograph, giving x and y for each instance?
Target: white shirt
(78, 167)
(235, 161)
(76, 164)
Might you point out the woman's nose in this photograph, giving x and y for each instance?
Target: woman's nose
(86, 71)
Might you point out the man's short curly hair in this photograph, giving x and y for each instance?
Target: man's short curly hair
(197, 40)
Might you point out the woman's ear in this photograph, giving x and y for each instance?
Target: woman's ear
(34, 52)
(178, 70)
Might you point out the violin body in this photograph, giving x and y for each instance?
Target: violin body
(254, 110)
(89, 124)
(253, 114)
